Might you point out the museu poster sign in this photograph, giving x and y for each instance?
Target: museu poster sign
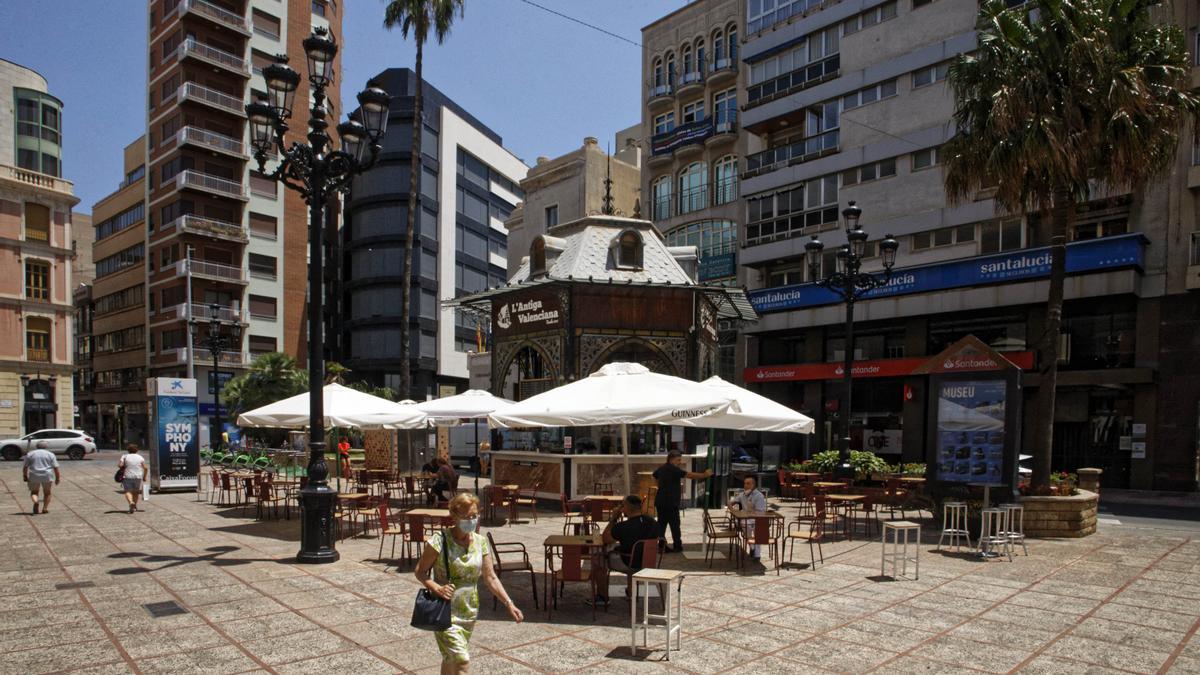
(1126, 250)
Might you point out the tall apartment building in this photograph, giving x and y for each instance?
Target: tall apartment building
(851, 102)
(82, 272)
(468, 189)
(118, 309)
(692, 84)
(245, 235)
(571, 187)
(36, 284)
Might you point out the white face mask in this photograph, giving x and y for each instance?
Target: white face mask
(468, 525)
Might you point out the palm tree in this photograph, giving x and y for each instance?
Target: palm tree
(272, 377)
(1063, 96)
(416, 17)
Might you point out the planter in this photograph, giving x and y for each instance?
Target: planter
(1055, 516)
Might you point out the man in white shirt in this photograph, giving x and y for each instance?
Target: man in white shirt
(41, 472)
(750, 499)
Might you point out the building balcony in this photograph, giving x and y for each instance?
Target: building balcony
(801, 151)
(214, 14)
(690, 83)
(657, 160)
(179, 356)
(212, 98)
(793, 81)
(26, 179)
(192, 48)
(37, 355)
(207, 227)
(723, 70)
(202, 269)
(203, 312)
(659, 96)
(222, 187)
(724, 131)
(681, 137)
(211, 140)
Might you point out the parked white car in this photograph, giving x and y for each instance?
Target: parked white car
(69, 442)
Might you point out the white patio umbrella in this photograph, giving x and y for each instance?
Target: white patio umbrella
(618, 393)
(474, 404)
(757, 412)
(344, 407)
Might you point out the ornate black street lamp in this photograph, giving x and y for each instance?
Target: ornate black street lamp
(316, 171)
(851, 283)
(216, 342)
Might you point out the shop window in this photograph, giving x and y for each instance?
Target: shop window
(1097, 341)
(1006, 332)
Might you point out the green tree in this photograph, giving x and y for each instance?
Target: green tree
(415, 18)
(272, 377)
(1061, 97)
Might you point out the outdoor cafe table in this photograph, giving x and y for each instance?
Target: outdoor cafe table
(608, 503)
(851, 502)
(828, 485)
(558, 541)
(429, 513)
(803, 475)
(743, 517)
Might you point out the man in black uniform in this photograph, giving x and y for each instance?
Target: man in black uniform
(666, 502)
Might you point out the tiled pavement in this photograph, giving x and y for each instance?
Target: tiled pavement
(1121, 600)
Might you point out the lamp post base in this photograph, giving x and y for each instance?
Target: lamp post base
(843, 469)
(316, 525)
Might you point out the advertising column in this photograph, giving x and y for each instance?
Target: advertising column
(175, 455)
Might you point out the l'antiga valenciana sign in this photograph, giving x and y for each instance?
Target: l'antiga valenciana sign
(527, 313)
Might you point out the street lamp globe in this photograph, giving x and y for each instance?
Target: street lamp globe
(352, 135)
(858, 241)
(262, 125)
(843, 258)
(812, 251)
(282, 83)
(888, 248)
(320, 49)
(851, 213)
(373, 103)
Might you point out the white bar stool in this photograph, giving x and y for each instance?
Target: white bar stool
(1015, 531)
(672, 600)
(898, 557)
(993, 525)
(954, 525)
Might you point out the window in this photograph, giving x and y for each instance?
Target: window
(1001, 235)
(662, 198)
(871, 17)
(318, 7)
(762, 14)
(37, 222)
(123, 220)
(263, 307)
(658, 73)
(129, 297)
(882, 169)
(551, 216)
(693, 112)
(263, 186)
(537, 257)
(871, 94)
(923, 159)
(1094, 229)
(719, 49)
(693, 188)
(37, 280)
(39, 126)
(917, 4)
(265, 226)
(710, 237)
(37, 339)
(265, 24)
(945, 236)
(472, 169)
(629, 249)
(664, 123)
(261, 344)
(725, 110)
(119, 261)
(929, 75)
(262, 265)
(121, 340)
(725, 180)
(791, 211)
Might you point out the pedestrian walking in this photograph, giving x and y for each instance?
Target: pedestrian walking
(670, 492)
(455, 577)
(134, 466)
(343, 447)
(41, 473)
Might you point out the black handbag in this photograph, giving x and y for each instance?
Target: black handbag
(119, 475)
(431, 612)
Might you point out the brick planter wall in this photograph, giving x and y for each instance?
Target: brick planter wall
(1073, 516)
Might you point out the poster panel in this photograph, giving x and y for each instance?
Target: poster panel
(177, 444)
(970, 430)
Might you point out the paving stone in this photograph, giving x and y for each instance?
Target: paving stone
(836, 655)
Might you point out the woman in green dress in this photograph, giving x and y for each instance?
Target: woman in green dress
(470, 559)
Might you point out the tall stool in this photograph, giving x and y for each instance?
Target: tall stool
(898, 556)
(671, 617)
(994, 524)
(1016, 526)
(954, 525)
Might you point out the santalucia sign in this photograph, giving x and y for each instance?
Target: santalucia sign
(527, 315)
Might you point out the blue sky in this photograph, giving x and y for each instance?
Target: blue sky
(540, 81)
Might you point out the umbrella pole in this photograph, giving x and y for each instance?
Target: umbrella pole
(708, 498)
(625, 449)
(477, 465)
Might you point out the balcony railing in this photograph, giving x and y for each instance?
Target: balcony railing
(693, 199)
(801, 78)
(657, 90)
(203, 268)
(208, 227)
(193, 47)
(37, 179)
(211, 139)
(723, 64)
(202, 181)
(211, 11)
(39, 355)
(801, 151)
(694, 77)
(199, 355)
(218, 99)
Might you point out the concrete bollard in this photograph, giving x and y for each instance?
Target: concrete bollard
(1089, 479)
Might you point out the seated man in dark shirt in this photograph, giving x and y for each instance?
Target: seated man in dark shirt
(619, 539)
